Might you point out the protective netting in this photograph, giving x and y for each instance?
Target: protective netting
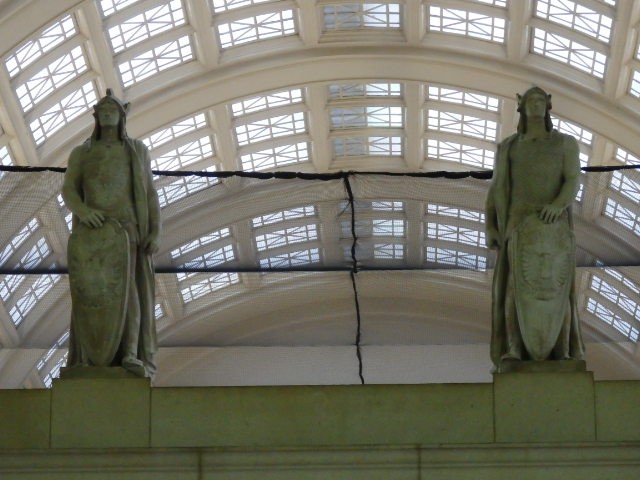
(360, 261)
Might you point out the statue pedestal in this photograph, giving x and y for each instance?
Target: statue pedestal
(544, 406)
(100, 412)
(547, 366)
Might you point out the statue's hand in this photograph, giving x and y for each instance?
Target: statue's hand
(92, 218)
(493, 238)
(151, 244)
(550, 213)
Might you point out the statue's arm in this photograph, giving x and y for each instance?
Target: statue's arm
(152, 243)
(491, 214)
(72, 192)
(570, 182)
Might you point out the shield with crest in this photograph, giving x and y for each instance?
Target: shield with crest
(542, 259)
(99, 282)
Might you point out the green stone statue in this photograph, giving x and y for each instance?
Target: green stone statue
(529, 222)
(116, 226)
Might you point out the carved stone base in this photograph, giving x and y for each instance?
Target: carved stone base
(95, 372)
(546, 366)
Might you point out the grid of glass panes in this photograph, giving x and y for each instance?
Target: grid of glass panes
(610, 318)
(38, 252)
(460, 153)
(174, 131)
(287, 236)
(358, 15)
(275, 157)
(363, 90)
(271, 127)
(68, 216)
(56, 117)
(259, 27)
(467, 23)
(283, 215)
(54, 372)
(367, 146)
(634, 89)
(109, 7)
(9, 284)
(183, 187)
(461, 97)
(388, 251)
(495, 3)
(361, 117)
(624, 184)
(388, 228)
(291, 259)
(263, 102)
(616, 295)
(191, 152)
(213, 258)
(462, 124)
(207, 239)
(225, 5)
(155, 60)
(454, 233)
(577, 17)
(457, 258)
(24, 233)
(44, 41)
(47, 375)
(566, 50)
(53, 76)
(208, 285)
(580, 133)
(626, 157)
(142, 26)
(5, 158)
(38, 289)
(626, 217)
(455, 212)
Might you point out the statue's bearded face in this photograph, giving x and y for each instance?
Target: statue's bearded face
(108, 114)
(535, 106)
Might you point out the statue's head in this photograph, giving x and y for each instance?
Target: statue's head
(110, 111)
(524, 105)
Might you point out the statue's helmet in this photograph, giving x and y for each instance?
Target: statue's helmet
(123, 108)
(522, 100)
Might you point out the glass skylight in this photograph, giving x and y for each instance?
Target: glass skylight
(144, 25)
(569, 51)
(185, 155)
(45, 41)
(580, 133)
(70, 107)
(388, 251)
(367, 146)
(57, 73)
(224, 5)
(610, 318)
(356, 15)
(210, 284)
(462, 124)
(212, 258)
(200, 242)
(624, 216)
(109, 7)
(259, 27)
(447, 256)
(5, 159)
(363, 90)
(13, 245)
(457, 152)
(495, 3)
(263, 102)
(275, 157)
(36, 291)
(68, 216)
(291, 259)
(287, 236)
(9, 285)
(360, 117)
(454, 212)
(626, 157)
(628, 187)
(158, 311)
(272, 127)
(453, 233)
(387, 206)
(388, 228)
(176, 130)
(183, 187)
(156, 60)
(36, 254)
(464, 22)
(278, 217)
(460, 97)
(616, 296)
(576, 17)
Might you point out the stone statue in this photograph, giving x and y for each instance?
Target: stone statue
(529, 222)
(116, 226)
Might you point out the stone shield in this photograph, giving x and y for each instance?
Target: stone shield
(99, 282)
(542, 259)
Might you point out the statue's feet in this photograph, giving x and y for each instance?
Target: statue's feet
(134, 366)
(511, 355)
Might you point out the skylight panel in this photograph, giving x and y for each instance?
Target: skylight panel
(495, 3)
(46, 40)
(367, 146)
(53, 76)
(616, 296)
(275, 157)
(56, 346)
(184, 155)
(580, 133)
(272, 127)
(387, 206)
(457, 152)
(213, 258)
(156, 60)
(70, 107)
(158, 311)
(260, 27)
(36, 254)
(68, 216)
(577, 17)
(354, 15)
(363, 90)
(454, 212)
(291, 259)
(5, 159)
(287, 236)
(624, 216)
(9, 284)
(263, 102)
(453, 233)
(626, 186)
(460, 97)
(388, 228)
(183, 187)
(626, 157)
(568, 51)
(24, 233)
(463, 124)
(284, 215)
(388, 251)
(457, 258)
(176, 130)
(469, 24)
(55, 371)
(210, 284)
(36, 292)
(142, 26)
(225, 5)
(109, 7)
(201, 242)
(359, 117)
(610, 318)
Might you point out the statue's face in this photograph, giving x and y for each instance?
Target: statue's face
(535, 105)
(108, 114)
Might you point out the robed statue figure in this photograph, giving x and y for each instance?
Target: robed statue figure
(116, 226)
(529, 222)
